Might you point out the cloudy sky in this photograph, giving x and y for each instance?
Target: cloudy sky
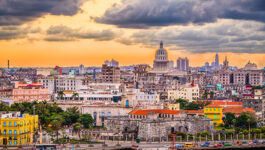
(73, 32)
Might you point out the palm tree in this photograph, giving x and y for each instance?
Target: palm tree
(77, 128)
(61, 94)
(75, 95)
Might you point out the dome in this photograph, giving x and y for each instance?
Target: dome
(161, 53)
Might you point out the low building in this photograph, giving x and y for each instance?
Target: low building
(214, 112)
(188, 92)
(17, 129)
(24, 92)
(157, 124)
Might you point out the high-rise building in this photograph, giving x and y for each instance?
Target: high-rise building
(110, 74)
(216, 61)
(183, 64)
(171, 64)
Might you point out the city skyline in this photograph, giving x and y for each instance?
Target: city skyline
(52, 35)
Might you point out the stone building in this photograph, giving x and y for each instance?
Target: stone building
(157, 124)
(110, 74)
(161, 62)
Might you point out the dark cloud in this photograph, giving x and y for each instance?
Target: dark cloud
(226, 36)
(13, 32)
(143, 14)
(16, 12)
(63, 33)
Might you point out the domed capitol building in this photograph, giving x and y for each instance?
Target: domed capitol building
(161, 63)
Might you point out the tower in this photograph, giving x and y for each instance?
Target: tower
(216, 61)
(226, 66)
(161, 63)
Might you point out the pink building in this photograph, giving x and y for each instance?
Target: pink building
(24, 92)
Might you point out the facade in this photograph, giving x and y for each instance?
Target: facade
(110, 74)
(17, 129)
(188, 92)
(157, 124)
(24, 92)
(214, 112)
(161, 63)
(183, 64)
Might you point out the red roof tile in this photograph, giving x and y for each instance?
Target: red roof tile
(156, 111)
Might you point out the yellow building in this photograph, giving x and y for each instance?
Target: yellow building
(214, 112)
(174, 106)
(17, 129)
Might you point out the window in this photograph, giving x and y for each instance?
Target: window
(10, 132)
(4, 132)
(215, 116)
(15, 142)
(10, 124)
(214, 109)
(109, 114)
(206, 115)
(218, 109)
(15, 124)
(4, 124)
(210, 109)
(10, 142)
(15, 132)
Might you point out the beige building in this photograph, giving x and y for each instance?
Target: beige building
(188, 92)
(110, 74)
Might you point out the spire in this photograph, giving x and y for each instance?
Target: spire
(161, 44)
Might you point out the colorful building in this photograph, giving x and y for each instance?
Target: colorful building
(214, 112)
(24, 92)
(17, 129)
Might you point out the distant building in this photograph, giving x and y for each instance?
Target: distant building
(171, 64)
(17, 129)
(225, 64)
(183, 64)
(113, 63)
(110, 74)
(24, 92)
(216, 61)
(81, 69)
(250, 66)
(161, 63)
(188, 92)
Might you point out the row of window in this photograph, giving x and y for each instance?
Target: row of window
(15, 131)
(15, 123)
(212, 109)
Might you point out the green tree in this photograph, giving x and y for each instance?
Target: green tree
(86, 120)
(71, 115)
(77, 128)
(228, 119)
(60, 94)
(3, 107)
(56, 122)
(75, 96)
(246, 120)
(182, 103)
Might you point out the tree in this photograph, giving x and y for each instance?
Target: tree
(3, 107)
(71, 115)
(246, 120)
(228, 119)
(56, 122)
(182, 102)
(77, 128)
(86, 120)
(75, 96)
(211, 94)
(61, 94)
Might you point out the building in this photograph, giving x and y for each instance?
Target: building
(24, 92)
(183, 64)
(81, 69)
(216, 61)
(157, 124)
(214, 112)
(17, 129)
(189, 92)
(110, 74)
(171, 64)
(226, 64)
(250, 66)
(113, 63)
(161, 63)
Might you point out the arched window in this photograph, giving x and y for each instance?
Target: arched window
(10, 124)
(4, 132)
(15, 124)
(15, 132)
(4, 124)
(127, 103)
(10, 132)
